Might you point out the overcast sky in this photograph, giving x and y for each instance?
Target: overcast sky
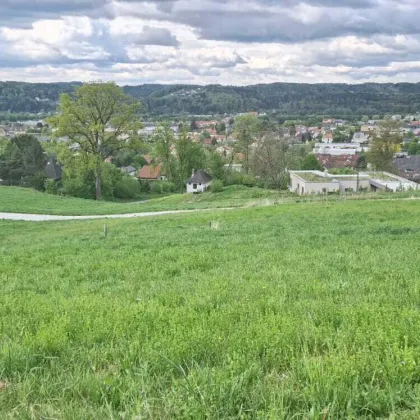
(210, 41)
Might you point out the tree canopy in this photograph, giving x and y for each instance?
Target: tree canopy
(100, 117)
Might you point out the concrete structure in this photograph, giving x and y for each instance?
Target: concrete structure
(200, 181)
(317, 182)
(338, 149)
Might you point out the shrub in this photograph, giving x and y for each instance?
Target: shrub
(79, 187)
(162, 187)
(127, 188)
(239, 178)
(51, 186)
(217, 186)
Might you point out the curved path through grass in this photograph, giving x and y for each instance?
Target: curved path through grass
(50, 217)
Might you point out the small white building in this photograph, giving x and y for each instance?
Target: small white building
(200, 181)
(327, 137)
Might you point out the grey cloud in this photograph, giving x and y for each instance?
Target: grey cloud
(154, 36)
(22, 13)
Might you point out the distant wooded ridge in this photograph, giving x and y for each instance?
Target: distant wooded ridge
(286, 99)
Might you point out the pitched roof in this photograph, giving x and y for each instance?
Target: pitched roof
(128, 169)
(53, 169)
(149, 172)
(409, 162)
(200, 177)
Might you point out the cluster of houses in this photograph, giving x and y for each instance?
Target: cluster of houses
(218, 135)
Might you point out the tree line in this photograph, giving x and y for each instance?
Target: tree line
(289, 100)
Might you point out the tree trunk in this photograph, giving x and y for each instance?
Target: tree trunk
(98, 181)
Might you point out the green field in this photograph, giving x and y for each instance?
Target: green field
(293, 311)
(24, 200)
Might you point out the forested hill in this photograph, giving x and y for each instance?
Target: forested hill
(288, 99)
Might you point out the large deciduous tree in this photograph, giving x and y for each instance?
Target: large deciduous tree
(384, 145)
(164, 139)
(190, 156)
(247, 127)
(99, 117)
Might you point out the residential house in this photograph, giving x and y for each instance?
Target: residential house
(317, 182)
(199, 181)
(234, 167)
(340, 161)
(327, 137)
(129, 170)
(408, 167)
(151, 173)
(53, 169)
(360, 137)
(414, 125)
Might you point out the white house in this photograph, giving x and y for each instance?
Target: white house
(360, 137)
(327, 137)
(200, 181)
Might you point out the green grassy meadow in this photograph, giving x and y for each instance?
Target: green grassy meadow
(284, 312)
(24, 200)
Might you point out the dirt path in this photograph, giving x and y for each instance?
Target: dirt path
(47, 217)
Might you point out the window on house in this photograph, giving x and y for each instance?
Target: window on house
(195, 186)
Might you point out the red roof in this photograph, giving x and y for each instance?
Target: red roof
(332, 161)
(149, 172)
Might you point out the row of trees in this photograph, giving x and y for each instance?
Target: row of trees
(288, 99)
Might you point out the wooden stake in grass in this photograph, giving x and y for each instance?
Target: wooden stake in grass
(105, 231)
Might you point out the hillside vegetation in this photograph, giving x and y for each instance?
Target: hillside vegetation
(289, 99)
(281, 312)
(25, 200)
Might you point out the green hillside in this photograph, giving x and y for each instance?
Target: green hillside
(288, 99)
(25, 200)
(282, 312)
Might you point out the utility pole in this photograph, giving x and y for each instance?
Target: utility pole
(357, 185)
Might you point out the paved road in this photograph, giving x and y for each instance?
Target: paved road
(48, 217)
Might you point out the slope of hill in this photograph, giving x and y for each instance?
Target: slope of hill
(284, 312)
(289, 99)
(25, 200)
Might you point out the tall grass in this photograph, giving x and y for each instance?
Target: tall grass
(281, 312)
